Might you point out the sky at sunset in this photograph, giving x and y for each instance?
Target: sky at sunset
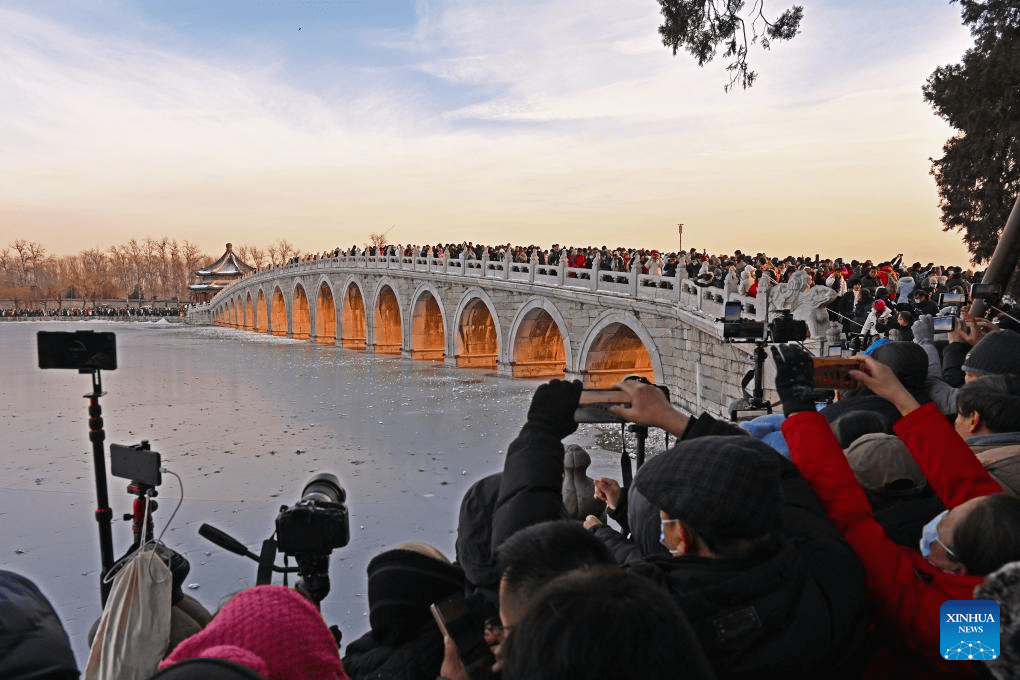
(524, 121)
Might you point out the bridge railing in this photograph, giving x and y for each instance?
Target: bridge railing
(680, 291)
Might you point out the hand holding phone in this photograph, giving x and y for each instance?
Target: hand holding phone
(833, 373)
(593, 406)
(456, 623)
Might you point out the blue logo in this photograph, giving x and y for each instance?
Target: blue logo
(969, 630)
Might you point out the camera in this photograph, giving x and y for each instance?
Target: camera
(318, 523)
(784, 328)
(943, 324)
(743, 330)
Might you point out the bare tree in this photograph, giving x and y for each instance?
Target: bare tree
(281, 251)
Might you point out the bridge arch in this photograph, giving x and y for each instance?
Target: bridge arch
(478, 333)
(325, 313)
(387, 325)
(261, 313)
(539, 346)
(300, 324)
(353, 328)
(427, 337)
(618, 345)
(278, 320)
(238, 313)
(249, 313)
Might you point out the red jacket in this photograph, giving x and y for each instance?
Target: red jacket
(906, 591)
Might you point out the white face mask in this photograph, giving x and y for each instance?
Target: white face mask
(930, 533)
(662, 535)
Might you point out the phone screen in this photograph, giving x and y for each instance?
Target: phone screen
(833, 373)
(456, 621)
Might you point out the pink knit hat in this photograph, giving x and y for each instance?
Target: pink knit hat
(273, 630)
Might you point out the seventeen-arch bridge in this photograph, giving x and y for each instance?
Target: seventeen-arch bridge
(518, 319)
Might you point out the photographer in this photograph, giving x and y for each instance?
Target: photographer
(768, 584)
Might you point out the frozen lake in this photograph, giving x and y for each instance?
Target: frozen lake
(245, 420)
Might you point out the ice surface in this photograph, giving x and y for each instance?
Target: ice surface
(245, 420)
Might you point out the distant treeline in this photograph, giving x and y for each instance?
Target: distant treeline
(152, 268)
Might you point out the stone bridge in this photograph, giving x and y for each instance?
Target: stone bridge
(516, 319)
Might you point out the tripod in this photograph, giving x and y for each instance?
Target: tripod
(104, 514)
(756, 400)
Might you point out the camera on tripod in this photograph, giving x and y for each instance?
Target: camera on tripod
(318, 523)
(309, 531)
(783, 328)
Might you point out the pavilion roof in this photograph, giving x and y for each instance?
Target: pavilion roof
(229, 264)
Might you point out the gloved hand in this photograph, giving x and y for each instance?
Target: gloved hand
(552, 407)
(795, 375)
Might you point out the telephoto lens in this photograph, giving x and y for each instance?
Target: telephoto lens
(324, 488)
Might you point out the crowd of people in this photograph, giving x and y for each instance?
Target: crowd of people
(100, 311)
(824, 546)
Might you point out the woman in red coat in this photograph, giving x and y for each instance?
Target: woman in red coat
(906, 589)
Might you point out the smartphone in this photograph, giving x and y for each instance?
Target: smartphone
(81, 350)
(455, 621)
(953, 299)
(943, 324)
(593, 406)
(833, 373)
(136, 463)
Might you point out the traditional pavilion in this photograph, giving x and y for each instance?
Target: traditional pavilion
(217, 276)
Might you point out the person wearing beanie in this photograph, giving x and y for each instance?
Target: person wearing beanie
(748, 555)
(404, 642)
(973, 351)
(995, 354)
(909, 363)
(992, 358)
(273, 630)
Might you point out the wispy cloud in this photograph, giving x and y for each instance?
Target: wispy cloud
(558, 120)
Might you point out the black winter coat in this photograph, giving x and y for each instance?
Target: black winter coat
(798, 608)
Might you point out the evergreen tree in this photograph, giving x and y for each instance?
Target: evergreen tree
(978, 175)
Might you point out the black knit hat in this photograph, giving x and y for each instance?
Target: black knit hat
(721, 487)
(995, 354)
(401, 586)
